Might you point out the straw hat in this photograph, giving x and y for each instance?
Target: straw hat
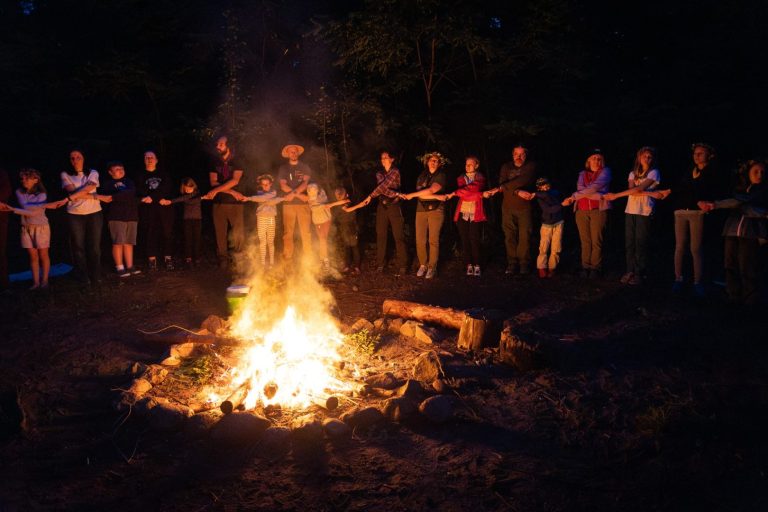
(285, 150)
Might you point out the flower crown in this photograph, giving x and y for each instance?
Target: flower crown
(441, 158)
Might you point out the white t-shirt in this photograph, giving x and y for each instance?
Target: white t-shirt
(642, 205)
(87, 205)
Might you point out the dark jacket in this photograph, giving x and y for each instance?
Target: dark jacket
(749, 210)
(551, 206)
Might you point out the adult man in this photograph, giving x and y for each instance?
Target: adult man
(388, 213)
(516, 179)
(293, 177)
(227, 207)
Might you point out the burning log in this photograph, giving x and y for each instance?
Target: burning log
(330, 403)
(446, 317)
(236, 398)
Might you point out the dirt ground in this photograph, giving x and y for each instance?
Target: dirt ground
(658, 403)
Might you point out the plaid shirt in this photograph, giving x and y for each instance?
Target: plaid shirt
(388, 183)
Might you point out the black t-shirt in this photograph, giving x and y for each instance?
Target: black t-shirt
(224, 172)
(425, 180)
(156, 184)
(125, 205)
(294, 176)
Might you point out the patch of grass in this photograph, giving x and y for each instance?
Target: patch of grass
(363, 341)
(198, 370)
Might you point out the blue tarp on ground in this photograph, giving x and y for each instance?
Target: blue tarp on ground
(58, 269)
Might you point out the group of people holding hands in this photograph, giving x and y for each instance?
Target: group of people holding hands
(143, 205)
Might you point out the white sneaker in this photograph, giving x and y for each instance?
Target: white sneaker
(430, 273)
(422, 270)
(477, 271)
(470, 270)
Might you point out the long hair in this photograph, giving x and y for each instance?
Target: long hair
(742, 173)
(38, 188)
(188, 182)
(638, 168)
(71, 170)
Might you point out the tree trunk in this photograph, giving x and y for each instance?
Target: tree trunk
(478, 331)
(446, 317)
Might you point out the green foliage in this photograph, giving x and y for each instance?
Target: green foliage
(363, 341)
(198, 370)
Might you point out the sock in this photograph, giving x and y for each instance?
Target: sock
(120, 268)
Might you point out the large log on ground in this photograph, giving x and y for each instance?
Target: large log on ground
(524, 353)
(446, 317)
(479, 329)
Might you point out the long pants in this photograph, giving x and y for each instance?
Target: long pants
(689, 230)
(156, 225)
(742, 270)
(550, 245)
(637, 232)
(4, 282)
(469, 232)
(390, 215)
(85, 243)
(292, 214)
(428, 226)
(347, 233)
(225, 214)
(323, 230)
(265, 229)
(591, 226)
(517, 227)
(192, 238)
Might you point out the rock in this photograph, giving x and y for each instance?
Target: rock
(359, 325)
(139, 387)
(395, 325)
(437, 409)
(408, 328)
(419, 332)
(383, 381)
(306, 429)
(154, 373)
(125, 401)
(411, 389)
(138, 369)
(399, 409)
(363, 418)
(336, 429)
(171, 361)
(199, 425)
(427, 367)
(275, 442)
(168, 416)
(240, 428)
(143, 406)
(181, 350)
(522, 353)
(380, 324)
(215, 325)
(440, 386)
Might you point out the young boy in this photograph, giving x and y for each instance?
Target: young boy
(551, 227)
(122, 216)
(346, 225)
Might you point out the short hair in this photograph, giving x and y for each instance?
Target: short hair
(473, 157)
(267, 177)
(114, 163)
(33, 173)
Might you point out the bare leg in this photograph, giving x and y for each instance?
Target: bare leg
(117, 254)
(34, 263)
(128, 255)
(45, 263)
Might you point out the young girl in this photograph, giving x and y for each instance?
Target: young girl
(346, 227)
(35, 231)
(321, 218)
(641, 192)
(193, 219)
(265, 216)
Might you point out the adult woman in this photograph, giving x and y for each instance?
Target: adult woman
(155, 220)
(641, 195)
(84, 217)
(699, 184)
(469, 214)
(430, 212)
(743, 231)
(591, 211)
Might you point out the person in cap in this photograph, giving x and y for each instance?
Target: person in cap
(293, 177)
(551, 231)
(591, 211)
(227, 206)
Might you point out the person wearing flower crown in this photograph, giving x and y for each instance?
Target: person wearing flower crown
(430, 212)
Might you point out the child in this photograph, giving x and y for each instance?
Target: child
(265, 216)
(122, 217)
(193, 219)
(346, 225)
(551, 227)
(321, 218)
(35, 231)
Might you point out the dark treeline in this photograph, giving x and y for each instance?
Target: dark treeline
(347, 78)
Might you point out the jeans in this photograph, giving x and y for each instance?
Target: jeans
(517, 226)
(85, 243)
(390, 215)
(637, 231)
(591, 226)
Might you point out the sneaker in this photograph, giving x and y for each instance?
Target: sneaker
(401, 271)
(422, 270)
(524, 271)
(699, 290)
(584, 273)
(168, 264)
(635, 280)
(356, 271)
(626, 278)
(594, 273)
(124, 273)
(551, 273)
(134, 271)
(470, 270)
(379, 270)
(430, 273)
(477, 270)
(677, 287)
(543, 273)
(511, 269)
(152, 265)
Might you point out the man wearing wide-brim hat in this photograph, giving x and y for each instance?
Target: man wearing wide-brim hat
(293, 177)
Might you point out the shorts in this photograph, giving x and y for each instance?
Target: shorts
(123, 232)
(36, 236)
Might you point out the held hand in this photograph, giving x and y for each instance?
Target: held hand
(663, 194)
(105, 199)
(146, 200)
(5, 208)
(568, 201)
(209, 196)
(60, 203)
(237, 195)
(165, 202)
(706, 206)
(609, 196)
(367, 201)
